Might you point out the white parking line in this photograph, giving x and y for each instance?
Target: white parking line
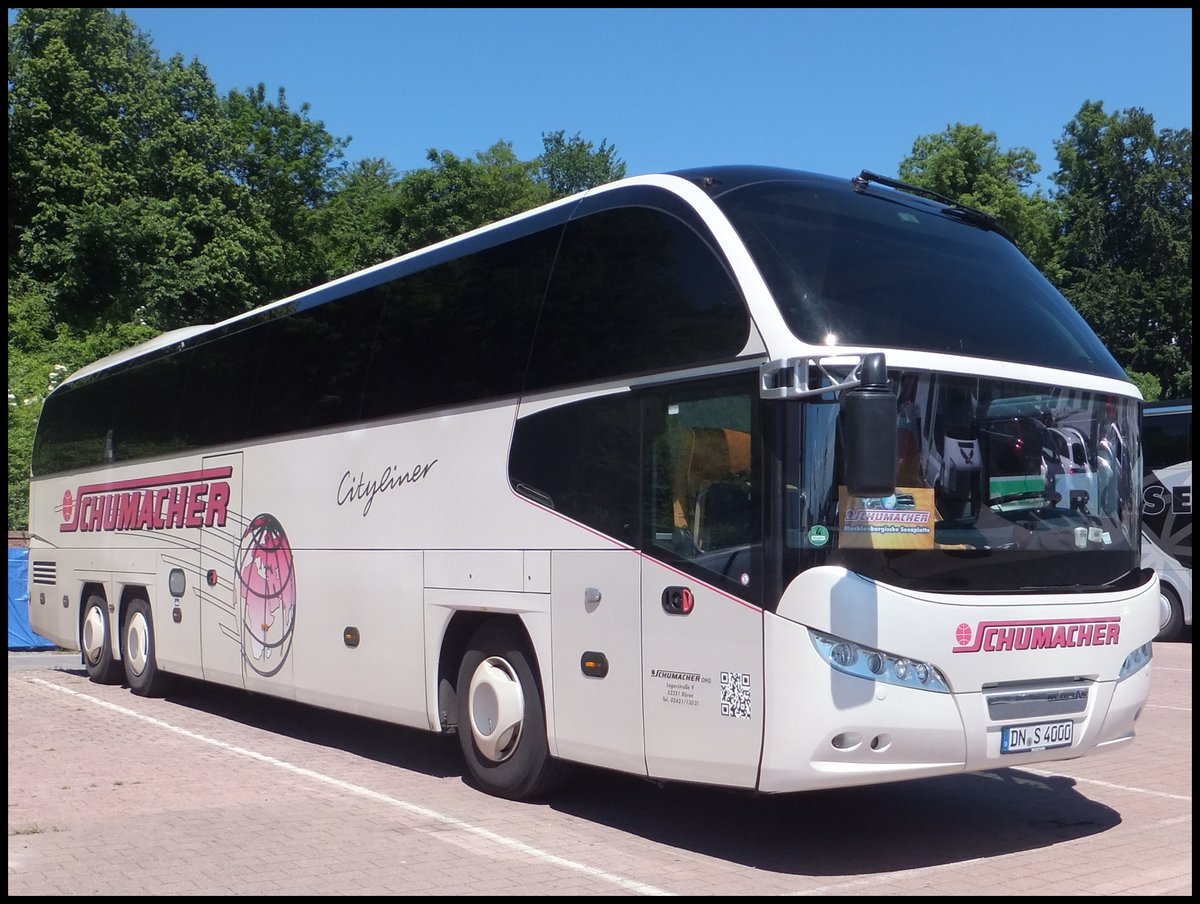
(1186, 798)
(486, 834)
(883, 878)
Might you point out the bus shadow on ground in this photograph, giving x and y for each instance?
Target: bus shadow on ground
(851, 831)
(914, 824)
(436, 755)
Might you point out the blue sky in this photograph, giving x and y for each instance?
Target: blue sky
(832, 91)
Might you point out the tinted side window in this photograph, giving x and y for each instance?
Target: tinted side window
(143, 404)
(583, 460)
(132, 413)
(459, 331)
(634, 290)
(314, 365)
(672, 471)
(71, 431)
(1166, 440)
(217, 402)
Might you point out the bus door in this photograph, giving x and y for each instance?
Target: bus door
(580, 460)
(221, 597)
(178, 593)
(702, 659)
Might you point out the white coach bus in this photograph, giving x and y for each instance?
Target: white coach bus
(742, 476)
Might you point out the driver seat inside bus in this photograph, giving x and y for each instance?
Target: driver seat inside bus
(712, 487)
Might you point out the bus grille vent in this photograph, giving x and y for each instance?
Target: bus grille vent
(45, 573)
(1067, 700)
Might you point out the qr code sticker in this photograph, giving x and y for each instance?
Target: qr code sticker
(735, 695)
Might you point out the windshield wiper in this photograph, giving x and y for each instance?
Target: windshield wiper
(964, 212)
(1115, 584)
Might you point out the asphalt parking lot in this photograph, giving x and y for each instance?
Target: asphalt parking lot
(214, 791)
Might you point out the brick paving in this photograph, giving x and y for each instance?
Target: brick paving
(217, 792)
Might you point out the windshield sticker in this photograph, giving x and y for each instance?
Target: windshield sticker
(818, 536)
(903, 520)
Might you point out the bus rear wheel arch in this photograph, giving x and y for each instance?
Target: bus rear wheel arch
(95, 640)
(501, 719)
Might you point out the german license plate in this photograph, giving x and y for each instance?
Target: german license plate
(1039, 736)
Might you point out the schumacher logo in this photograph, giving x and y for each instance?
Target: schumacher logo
(886, 516)
(165, 502)
(1047, 634)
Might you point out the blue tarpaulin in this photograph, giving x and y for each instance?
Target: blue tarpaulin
(20, 635)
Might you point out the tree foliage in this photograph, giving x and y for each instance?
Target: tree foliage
(965, 163)
(456, 194)
(1125, 191)
(139, 201)
(570, 165)
(1115, 237)
(359, 226)
(375, 213)
(136, 194)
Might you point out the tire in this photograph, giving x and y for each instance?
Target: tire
(1170, 618)
(501, 721)
(95, 640)
(137, 652)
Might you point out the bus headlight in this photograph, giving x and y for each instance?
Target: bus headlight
(1137, 660)
(844, 655)
(876, 665)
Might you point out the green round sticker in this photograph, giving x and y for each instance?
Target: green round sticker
(818, 535)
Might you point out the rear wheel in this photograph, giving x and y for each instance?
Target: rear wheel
(1170, 617)
(96, 642)
(501, 723)
(137, 652)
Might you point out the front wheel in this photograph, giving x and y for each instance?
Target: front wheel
(96, 642)
(137, 652)
(1170, 618)
(501, 723)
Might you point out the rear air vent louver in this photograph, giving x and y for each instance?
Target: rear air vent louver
(45, 573)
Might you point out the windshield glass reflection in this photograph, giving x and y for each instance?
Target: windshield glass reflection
(1000, 486)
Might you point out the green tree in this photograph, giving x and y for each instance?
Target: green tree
(136, 194)
(1147, 384)
(139, 201)
(570, 165)
(1125, 191)
(374, 213)
(360, 224)
(291, 166)
(965, 163)
(455, 194)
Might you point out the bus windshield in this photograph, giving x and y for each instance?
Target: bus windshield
(888, 270)
(1001, 487)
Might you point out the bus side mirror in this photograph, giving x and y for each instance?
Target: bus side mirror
(869, 431)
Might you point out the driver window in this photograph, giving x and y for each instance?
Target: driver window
(704, 485)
